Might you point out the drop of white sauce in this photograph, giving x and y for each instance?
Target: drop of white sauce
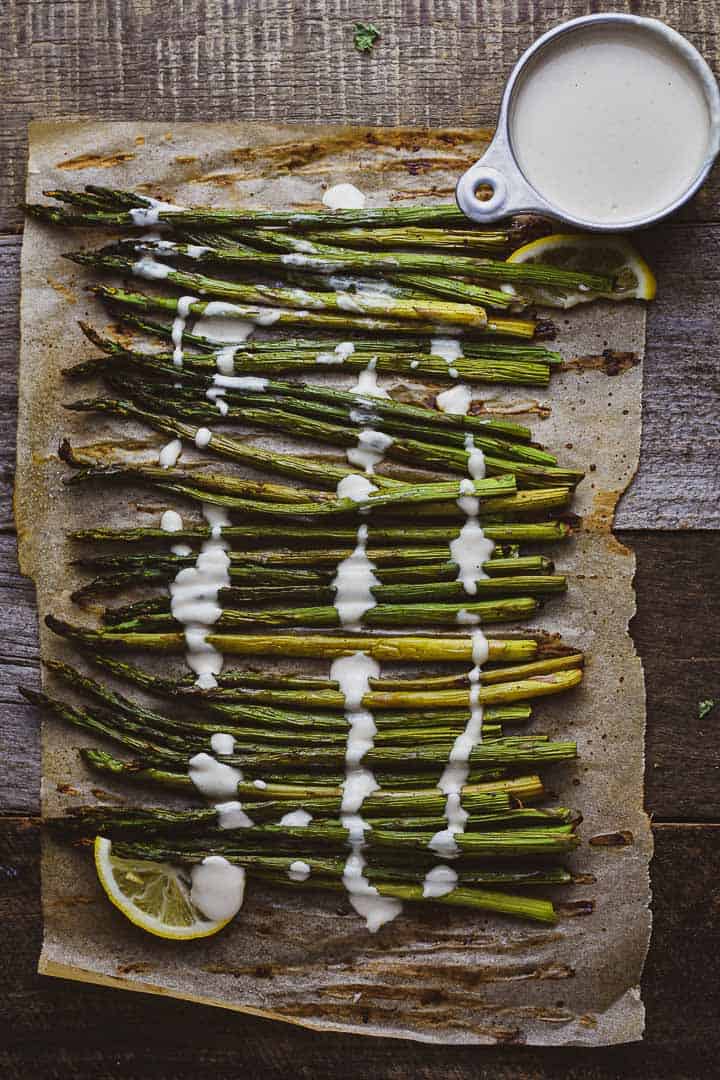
(298, 870)
(202, 437)
(456, 400)
(214, 779)
(439, 881)
(232, 816)
(296, 819)
(218, 887)
(169, 454)
(171, 521)
(355, 487)
(344, 197)
(221, 743)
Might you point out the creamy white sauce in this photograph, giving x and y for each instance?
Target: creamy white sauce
(180, 549)
(298, 870)
(344, 197)
(149, 215)
(370, 449)
(364, 897)
(171, 521)
(178, 327)
(232, 816)
(340, 353)
(305, 299)
(476, 458)
(224, 322)
(213, 779)
(367, 381)
(202, 437)
(149, 268)
(346, 282)
(355, 487)
(225, 359)
(353, 674)
(194, 599)
(222, 743)
(471, 548)
(251, 383)
(296, 819)
(170, 454)
(260, 784)
(216, 394)
(439, 881)
(456, 400)
(218, 887)
(610, 124)
(457, 769)
(467, 618)
(353, 583)
(217, 326)
(449, 349)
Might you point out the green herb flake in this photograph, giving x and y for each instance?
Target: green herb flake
(704, 707)
(364, 37)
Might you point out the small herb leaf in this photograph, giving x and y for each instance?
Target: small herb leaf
(365, 35)
(704, 707)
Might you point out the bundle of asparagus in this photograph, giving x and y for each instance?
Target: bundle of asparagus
(419, 519)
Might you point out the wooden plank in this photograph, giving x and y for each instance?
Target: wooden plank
(678, 482)
(675, 630)
(437, 63)
(54, 1028)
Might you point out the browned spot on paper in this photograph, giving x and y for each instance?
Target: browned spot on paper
(106, 796)
(123, 337)
(600, 519)
(572, 908)
(610, 362)
(64, 290)
(367, 1012)
(139, 140)
(491, 407)
(67, 789)
(297, 154)
(69, 901)
(186, 159)
(96, 161)
(614, 839)
(584, 879)
(413, 395)
(472, 976)
(588, 1020)
(419, 166)
(434, 192)
(139, 967)
(440, 1000)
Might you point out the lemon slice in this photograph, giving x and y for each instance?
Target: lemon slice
(593, 254)
(153, 895)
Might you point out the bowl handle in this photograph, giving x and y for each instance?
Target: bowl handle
(506, 190)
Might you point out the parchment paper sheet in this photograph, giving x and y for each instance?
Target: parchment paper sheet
(442, 976)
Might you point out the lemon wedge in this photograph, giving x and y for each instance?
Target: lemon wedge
(596, 254)
(153, 895)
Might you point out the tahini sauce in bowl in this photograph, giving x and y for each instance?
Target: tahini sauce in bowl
(611, 125)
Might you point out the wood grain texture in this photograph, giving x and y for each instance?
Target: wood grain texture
(56, 1030)
(437, 63)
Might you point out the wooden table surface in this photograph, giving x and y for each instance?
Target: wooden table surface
(438, 62)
